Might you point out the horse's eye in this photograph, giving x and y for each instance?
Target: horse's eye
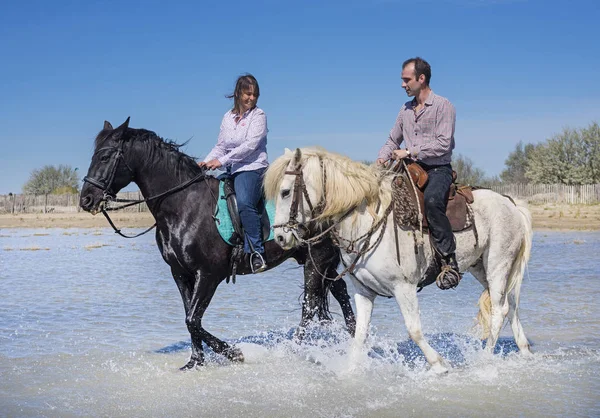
(285, 193)
(105, 159)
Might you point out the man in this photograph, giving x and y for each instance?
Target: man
(426, 126)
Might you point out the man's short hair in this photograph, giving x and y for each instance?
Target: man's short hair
(421, 67)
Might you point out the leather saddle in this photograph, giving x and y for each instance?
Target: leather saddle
(459, 196)
(234, 214)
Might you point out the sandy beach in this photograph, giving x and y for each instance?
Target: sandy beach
(546, 216)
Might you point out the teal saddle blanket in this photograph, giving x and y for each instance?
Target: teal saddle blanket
(225, 224)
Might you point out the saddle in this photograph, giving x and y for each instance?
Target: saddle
(229, 224)
(232, 208)
(405, 201)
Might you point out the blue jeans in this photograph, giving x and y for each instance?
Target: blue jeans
(248, 190)
(436, 199)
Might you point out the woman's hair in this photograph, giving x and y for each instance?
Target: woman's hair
(243, 83)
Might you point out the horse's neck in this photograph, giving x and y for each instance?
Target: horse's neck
(154, 178)
(356, 224)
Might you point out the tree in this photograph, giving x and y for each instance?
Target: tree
(572, 157)
(516, 164)
(467, 173)
(50, 179)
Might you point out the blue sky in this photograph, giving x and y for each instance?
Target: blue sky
(329, 72)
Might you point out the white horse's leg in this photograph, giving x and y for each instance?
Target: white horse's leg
(517, 328)
(497, 279)
(406, 296)
(364, 309)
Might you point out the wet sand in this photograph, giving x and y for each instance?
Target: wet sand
(546, 216)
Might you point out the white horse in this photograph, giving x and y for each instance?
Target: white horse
(353, 198)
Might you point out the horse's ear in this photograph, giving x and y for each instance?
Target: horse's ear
(107, 125)
(297, 158)
(125, 124)
(287, 151)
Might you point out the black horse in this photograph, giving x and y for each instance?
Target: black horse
(186, 233)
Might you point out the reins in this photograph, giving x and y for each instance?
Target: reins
(149, 199)
(105, 187)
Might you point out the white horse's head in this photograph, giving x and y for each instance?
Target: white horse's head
(312, 186)
(297, 189)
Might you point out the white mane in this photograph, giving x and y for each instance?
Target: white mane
(348, 184)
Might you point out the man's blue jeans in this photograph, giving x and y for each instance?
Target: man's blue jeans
(248, 190)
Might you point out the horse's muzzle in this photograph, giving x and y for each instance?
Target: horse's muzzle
(285, 241)
(89, 204)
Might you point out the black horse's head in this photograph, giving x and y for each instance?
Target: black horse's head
(109, 171)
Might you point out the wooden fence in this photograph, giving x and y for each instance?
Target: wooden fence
(57, 203)
(532, 193)
(552, 193)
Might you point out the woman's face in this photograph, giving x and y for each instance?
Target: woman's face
(248, 100)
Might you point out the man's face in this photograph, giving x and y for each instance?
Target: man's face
(410, 82)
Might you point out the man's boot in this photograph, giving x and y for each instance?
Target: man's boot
(449, 276)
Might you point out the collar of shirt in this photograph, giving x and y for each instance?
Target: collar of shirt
(428, 101)
(246, 113)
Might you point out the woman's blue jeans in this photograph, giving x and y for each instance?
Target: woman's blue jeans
(249, 190)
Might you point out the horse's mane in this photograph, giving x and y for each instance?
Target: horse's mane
(349, 184)
(168, 148)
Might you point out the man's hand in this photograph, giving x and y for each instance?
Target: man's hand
(210, 165)
(400, 154)
(381, 161)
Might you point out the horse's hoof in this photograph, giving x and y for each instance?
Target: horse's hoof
(235, 354)
(191, 364)
(299, 334)
(439, 369)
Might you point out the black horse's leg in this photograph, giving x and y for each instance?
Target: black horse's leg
(315, 296)
(340, 293)
(184, 284)
(322, 260)
(204, 290)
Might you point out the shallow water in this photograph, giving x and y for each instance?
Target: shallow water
(92, 325)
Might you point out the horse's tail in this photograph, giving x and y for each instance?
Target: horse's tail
(516, 274)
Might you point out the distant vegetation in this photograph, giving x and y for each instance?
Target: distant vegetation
(571, 157)
(52, 180)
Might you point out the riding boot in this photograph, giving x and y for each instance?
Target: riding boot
(450, 276)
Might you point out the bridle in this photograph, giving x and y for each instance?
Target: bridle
(294, 226)
(105, 185)
(109, 196)
(300, 230)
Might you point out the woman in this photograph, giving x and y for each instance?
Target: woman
(242, 150)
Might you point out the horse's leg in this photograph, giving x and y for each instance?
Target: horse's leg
(340, 293)
(364, 308)
(315, 295)
(184, 284)
(497, 279)
(329, 261)
(406, 296)
(204, 290)
(321, 261)
(517, 328)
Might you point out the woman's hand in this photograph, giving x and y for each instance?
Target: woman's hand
(211, 165)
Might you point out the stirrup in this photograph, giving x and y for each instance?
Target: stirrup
(263, 264)
(448, 278)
